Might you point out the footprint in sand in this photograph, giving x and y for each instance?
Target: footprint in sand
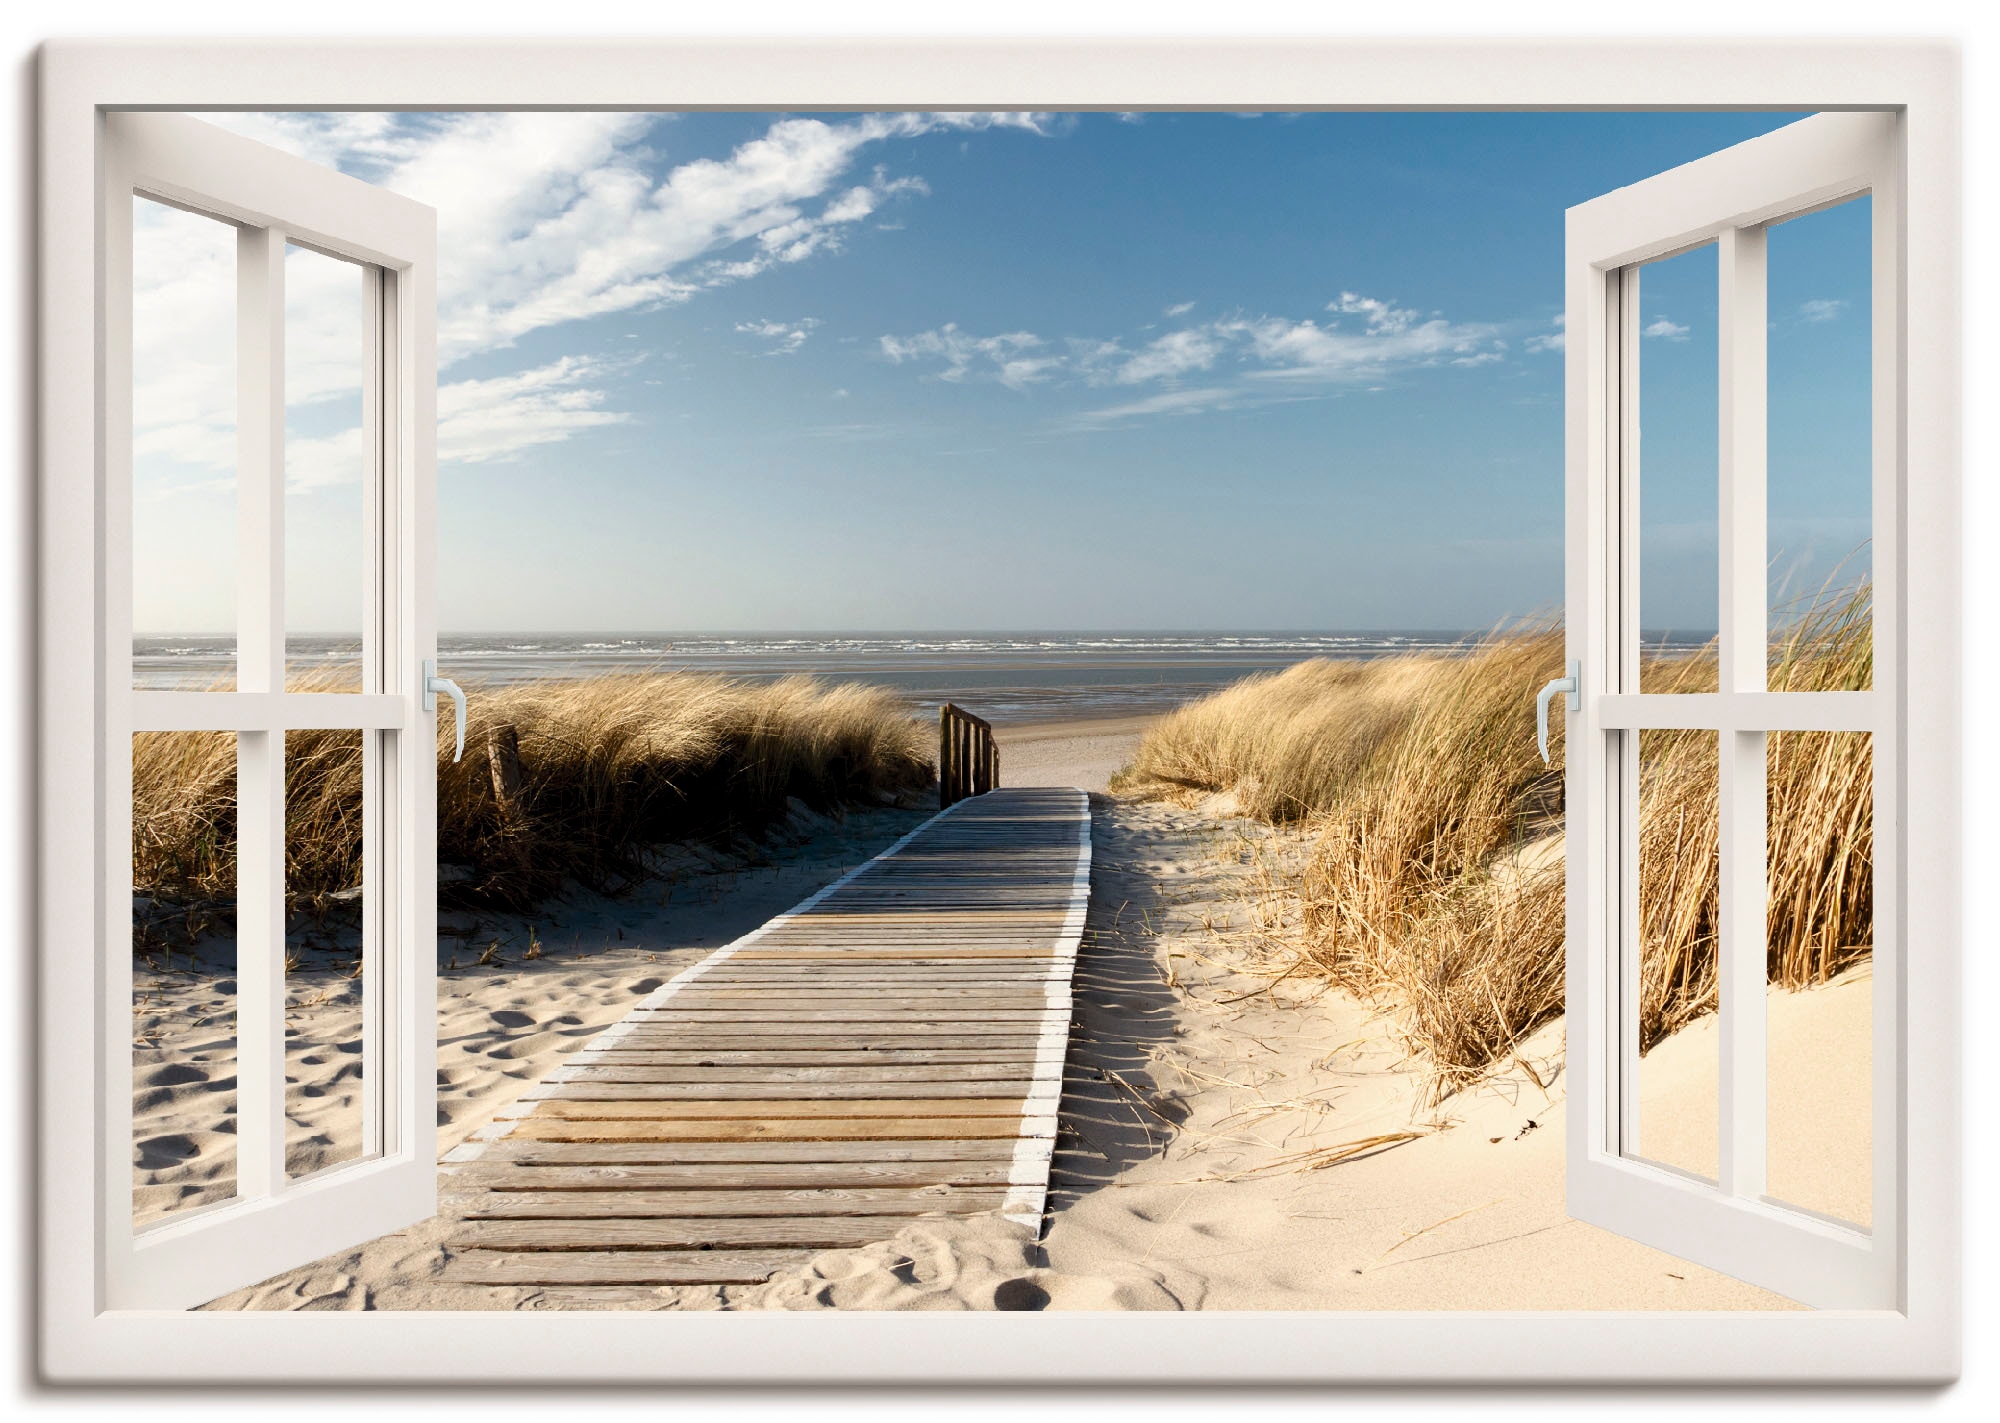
(509, 1018)
(525, 1047)
(158, 1153)
(175, 1074)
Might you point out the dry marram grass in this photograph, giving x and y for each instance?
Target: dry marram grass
(610, 767)
(1434, 879)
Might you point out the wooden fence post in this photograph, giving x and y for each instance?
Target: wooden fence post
(503, 760)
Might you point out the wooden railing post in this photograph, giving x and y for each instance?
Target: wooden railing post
(968, 756)
(503, 761)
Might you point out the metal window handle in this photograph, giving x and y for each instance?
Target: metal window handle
(433, 684)
(1573, 685)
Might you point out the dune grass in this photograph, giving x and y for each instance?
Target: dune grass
(1433, 876)
(611, 767)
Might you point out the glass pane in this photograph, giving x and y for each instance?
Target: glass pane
(183, 971)
(1679, 910)
(325, 1071)
(1679, 580)
(326, 550)
(1821, 508)
(183, 449)
(1819, 1020)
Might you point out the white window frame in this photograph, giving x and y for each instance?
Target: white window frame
(1918, 1341)
(276, 201)
(1724, 201)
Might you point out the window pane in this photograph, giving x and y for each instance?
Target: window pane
(183, 449)
(183, 971)
(1679, 915)
(1678, 479)
(1821, 382)
(325, 1071)
(1819, 1014)
(326, 550)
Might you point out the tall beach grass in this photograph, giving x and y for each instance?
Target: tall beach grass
(1433, 876)
(610, 767)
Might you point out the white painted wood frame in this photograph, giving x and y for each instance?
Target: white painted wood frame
(275, 200)
(1916, 1338)
(1727, 199)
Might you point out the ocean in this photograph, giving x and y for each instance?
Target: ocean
(1008, 678)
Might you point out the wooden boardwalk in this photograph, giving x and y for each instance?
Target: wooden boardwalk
(892, 1047)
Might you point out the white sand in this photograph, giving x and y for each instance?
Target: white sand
(1205, 1119)
(1085, 754)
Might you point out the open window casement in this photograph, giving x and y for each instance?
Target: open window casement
(1717, 1206)
(272, 1216)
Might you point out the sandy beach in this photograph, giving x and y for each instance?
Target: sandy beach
(1085, 754)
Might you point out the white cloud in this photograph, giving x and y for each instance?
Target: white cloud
(1275, 358)
(1014, 358)
(480, 421)
(1661, 328)
(1179, 308)
(1167, 358)
(1191, 401)
(1821, 309)
(785, 338)
(1381, 315)
(1547, 340)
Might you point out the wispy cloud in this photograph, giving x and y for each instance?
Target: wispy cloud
(785, 337)
(1821, 309)
(1014, 358)
(1362, 342)
(1660, 328)
(1546, 340)
(480, 421)
(1179, 308)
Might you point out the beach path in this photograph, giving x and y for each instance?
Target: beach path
(893, 1047)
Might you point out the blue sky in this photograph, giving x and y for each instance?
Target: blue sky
(1055, 371)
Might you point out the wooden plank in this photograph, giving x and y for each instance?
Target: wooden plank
(620, 1267)
(525, 1152)
(691, 1026)
(937, 1018)
(732, 1178)
(960, 1128)
(815, 1201)
(805, 1078)
(1011, 1089)
(772, 1109)
(812, 1057)
(705, 1233)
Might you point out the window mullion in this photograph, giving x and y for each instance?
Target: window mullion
(260, 667)
(1742, 635)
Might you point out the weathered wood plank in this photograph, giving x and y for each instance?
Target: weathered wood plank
(522, 1152)
(815, 1201)
(959, 1128)
(620, 1267)
(1012, 1088)
(684, 1233)
(566, 1108)
(813, 1056)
